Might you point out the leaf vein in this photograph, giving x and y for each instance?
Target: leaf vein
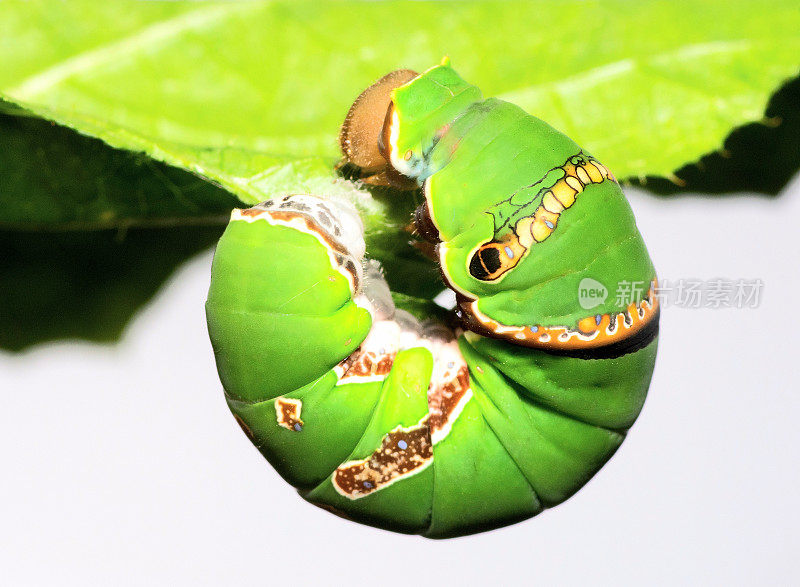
(159, 33)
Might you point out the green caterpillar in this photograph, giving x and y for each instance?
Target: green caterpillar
(409, 425)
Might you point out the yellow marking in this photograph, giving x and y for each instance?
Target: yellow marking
(525, 233)
(564, 193)
(551, 203)
(574, 183)
(541, 229)
(583, 175)
(604, 170)
(540, 225)
(560, 197)
(594, 173)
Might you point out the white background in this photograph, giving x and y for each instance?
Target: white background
(122, 463)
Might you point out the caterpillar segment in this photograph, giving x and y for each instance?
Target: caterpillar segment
(616, 331)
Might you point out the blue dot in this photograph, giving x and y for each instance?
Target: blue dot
(598, 319)
(402, 444)
(509, 252)
(367, 485)
(298, 427)
(549, 224)
(534, 329)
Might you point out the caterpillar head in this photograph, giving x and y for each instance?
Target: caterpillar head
(393, 124)
(361, 137)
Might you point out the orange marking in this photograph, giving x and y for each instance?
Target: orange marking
(590, 332)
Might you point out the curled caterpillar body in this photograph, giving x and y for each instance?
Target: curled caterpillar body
(405, 424)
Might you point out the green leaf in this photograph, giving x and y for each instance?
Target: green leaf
(757, 157)
(56, 179)
(89, 233)
(85, 284)
(249, 97)
(647, 87)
